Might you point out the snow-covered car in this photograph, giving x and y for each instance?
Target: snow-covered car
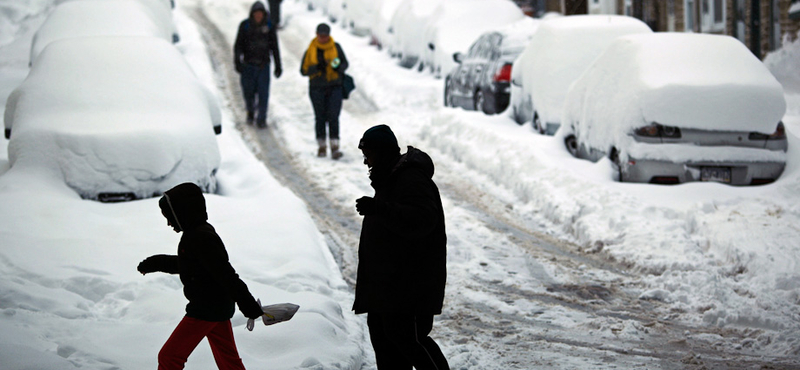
(677, 107)
(82, 18)
(359, 15)
(322, 5)
(380, 26)
(408, 30)
(118, 123)
(561, 49)
(481, 81)
(455, 24)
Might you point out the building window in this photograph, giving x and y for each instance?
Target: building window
(794, 10)
(629, 8)
(712, 15)
(689, 14)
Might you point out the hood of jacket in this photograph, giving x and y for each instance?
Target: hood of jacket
(258, 6)
(186, 204)
(415, 158)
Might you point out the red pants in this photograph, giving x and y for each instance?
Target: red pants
(187, 336)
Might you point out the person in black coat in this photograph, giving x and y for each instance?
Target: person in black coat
(402, 254)
(256, 40)
(209, 283)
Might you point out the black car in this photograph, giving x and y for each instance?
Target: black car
(482, 79)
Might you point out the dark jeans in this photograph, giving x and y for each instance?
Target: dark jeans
(255, 81)
(401, 341)
(327, 102)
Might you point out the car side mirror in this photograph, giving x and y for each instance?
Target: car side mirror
(431, 46)
(458, 57)
(515, 82)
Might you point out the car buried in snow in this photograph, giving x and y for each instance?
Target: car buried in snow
(481, 80)
(672, 108)
(117, 123)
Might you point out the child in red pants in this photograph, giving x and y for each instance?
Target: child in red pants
(210, 283)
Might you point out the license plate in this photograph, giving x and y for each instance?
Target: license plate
(718, 174)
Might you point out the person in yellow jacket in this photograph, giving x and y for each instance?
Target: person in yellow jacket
(324, 63)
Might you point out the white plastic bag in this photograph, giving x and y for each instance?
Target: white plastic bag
(274, 314)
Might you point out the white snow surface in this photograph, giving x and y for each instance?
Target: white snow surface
(716, 255)
(559, 52)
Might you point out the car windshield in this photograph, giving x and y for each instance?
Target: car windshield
(516, 50)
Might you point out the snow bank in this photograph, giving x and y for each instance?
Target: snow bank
(561, 50)
(784, 63)
(128, 119)
(13, 12)
(81, 18)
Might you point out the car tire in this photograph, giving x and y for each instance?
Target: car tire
(516, 115)
(571, 142)
(614, 157)
(480, 101)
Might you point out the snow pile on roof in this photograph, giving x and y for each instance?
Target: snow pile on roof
(457, 24)
(12, 14)
(408, 27)
(126, 119)
(562, 49)
(518, 34)
(686, 80)
(83, 18)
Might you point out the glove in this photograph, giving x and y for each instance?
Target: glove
(252, 311)
(152, 264)
(239, 67)
(366, 206)
(278, 71)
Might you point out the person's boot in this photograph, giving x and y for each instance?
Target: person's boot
(250, 117)
(323, 149)
(335, 153)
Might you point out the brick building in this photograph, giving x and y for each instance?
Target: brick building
(762, 25)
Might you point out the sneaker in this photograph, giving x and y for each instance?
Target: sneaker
(250, 118)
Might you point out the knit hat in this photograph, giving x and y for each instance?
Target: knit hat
(380, 139)
(323, 29)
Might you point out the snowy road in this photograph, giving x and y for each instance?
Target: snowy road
(518, 297)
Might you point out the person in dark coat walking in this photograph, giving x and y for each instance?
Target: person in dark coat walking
(209, 283)
(324, 63)
(402, 254)
(256, 40)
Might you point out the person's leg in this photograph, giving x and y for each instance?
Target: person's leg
(424, 325)
(409, 335)
(334, 109)
(182, 342)
(387, 355)
(263, 95)
(223, 347)
(248, 82)
(317, 95)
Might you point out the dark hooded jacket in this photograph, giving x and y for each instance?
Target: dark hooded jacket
(255, 41)
(402, 253)
(209, 281)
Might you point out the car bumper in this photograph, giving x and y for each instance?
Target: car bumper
(667, 172)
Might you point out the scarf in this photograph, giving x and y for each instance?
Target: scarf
(329, 53)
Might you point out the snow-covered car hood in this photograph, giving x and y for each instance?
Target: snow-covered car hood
(127, 119)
